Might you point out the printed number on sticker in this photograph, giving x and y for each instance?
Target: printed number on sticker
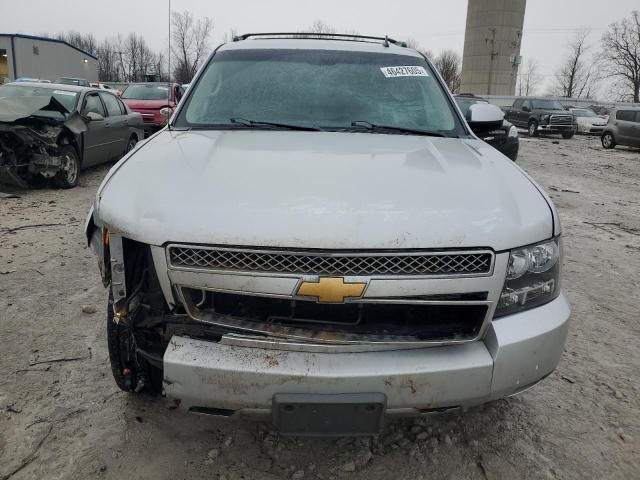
(408, 71)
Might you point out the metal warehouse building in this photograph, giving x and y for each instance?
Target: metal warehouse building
(43, 58)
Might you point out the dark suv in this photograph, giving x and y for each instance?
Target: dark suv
(504, 138)
(541, 115)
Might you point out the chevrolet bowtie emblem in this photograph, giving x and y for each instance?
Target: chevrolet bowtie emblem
(331, 290)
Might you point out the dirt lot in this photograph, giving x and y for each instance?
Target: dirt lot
(61, 415)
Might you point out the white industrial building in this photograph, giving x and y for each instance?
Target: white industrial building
(43, 58)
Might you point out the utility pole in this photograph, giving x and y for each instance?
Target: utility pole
(122, 67)
(494, 54)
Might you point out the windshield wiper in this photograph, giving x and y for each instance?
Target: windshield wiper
(288, 126)
(413, 131)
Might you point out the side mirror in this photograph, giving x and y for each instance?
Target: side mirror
(484, 117)
(94, 117)
(526, 109)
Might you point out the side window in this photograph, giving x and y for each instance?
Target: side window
(527, 104)
(111, 102)
(93, 104)
(638, 116)
(518, 104)
(123, 109)
(625, 115)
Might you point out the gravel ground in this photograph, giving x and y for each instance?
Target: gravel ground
(61, 415)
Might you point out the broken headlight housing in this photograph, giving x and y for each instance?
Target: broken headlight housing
(533, 277)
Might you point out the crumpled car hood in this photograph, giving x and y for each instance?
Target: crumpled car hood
(13, 109)
(322, 190)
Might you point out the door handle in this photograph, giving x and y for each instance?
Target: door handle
(107, 125)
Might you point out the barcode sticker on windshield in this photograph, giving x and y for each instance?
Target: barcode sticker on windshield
(408, 71)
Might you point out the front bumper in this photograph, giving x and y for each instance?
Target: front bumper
(557, 128)
(517, 351)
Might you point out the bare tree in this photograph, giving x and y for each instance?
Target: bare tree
(529, 80)
(136, 58)
(621, 55)
(413, 43)
(108, 61)
(319, 27)
(190, 43)
(576, 78)
(126, 59)
(83, 41)
(229, 35)
(449, 64)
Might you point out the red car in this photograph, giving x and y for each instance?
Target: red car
(154, 101)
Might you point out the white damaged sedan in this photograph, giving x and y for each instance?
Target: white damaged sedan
(319, 238)
(588, 121)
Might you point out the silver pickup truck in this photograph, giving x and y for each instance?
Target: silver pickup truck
(319, 238)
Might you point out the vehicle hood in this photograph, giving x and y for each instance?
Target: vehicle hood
(321, 190)
(146, 104)
(591, 121)
(542, 111)
(15, 108)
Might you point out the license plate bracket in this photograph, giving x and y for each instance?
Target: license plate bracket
(329, 415)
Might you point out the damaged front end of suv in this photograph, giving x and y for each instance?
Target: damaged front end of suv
(38, 140)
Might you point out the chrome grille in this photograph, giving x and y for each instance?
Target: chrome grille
(334, 263)
(560, 120)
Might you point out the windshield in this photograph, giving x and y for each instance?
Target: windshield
(465, 102)
(547, 105)
(146, 92)
(583, 113)
(319, 88)
(65, 97)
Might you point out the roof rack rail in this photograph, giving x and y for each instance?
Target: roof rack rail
(311, 35)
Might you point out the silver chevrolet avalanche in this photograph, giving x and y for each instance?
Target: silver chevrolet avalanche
(319, 237)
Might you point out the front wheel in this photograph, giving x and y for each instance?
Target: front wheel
(533, 128)
(608, 141)
(131, 144)
(568, 135)
(131, 372)
(68, 176)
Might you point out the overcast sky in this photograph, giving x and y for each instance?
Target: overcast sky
(435, 24)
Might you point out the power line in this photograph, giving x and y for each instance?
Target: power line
(531, 31)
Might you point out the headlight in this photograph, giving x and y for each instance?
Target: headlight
(545, 119)
(533, 277)
(513, 132)
(166, 111)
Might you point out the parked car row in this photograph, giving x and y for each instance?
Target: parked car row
(543, 115)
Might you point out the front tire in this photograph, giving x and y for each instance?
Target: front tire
(608, 141)
(131, 144)
(70, 173)
(568, 135)
(130, 372)
(533, 128)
